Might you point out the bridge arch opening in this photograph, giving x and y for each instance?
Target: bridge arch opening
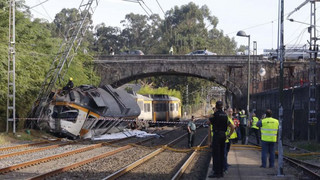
(232, 92)
(228, 85)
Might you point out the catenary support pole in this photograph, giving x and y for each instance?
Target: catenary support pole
(281, 58)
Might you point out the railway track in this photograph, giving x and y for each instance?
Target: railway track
(31, 168)
(76, 159)
(311, 170)
(107, 165)
(163, 163)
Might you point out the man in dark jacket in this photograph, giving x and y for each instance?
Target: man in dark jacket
(220, 123)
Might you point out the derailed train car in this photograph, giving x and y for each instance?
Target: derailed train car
(155, 108)
(87, 111)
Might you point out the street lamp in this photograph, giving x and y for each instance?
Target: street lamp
(243, 34)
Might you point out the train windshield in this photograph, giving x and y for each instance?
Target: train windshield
(66, 113)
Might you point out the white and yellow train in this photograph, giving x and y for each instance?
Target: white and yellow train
(155, 108)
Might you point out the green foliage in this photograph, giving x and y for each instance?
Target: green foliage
(160, 90)
(81, 70)
(186, 28)
(37, 44)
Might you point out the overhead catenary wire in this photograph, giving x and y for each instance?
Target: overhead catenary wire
(40, 3)
(298, 38)
(138, 1)
(37, 4)
(251, 27)
(144, 9)
(161, 8)
(146, 6)
(45, 10)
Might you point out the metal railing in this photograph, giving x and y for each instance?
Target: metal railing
(298, 79)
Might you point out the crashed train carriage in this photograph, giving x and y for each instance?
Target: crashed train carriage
(87, 111)
(155, 108)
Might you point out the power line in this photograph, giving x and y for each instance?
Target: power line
(143, 8)
(161, 8)
(138, 1)
(146, 6)
(46, 12)
(37, 4)
(134, 1)
(252, 27)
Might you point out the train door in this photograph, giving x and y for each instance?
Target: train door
(172, 111)
(147, 110)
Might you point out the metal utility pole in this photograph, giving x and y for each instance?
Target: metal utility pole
(255, 52)
(248, 94)
(312, 118)
(187, 99)
(61, 63)
(281, 58)
(11, 96)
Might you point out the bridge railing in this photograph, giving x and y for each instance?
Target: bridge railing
(175, 57)
(298, 79)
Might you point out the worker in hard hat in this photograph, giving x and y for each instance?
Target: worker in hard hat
(69, 86)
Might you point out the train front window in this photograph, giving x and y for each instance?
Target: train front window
(140, 104)
(66, 113)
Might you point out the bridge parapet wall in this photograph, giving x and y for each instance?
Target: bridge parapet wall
(228, 71)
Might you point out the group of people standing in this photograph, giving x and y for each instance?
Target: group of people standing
(227, 127)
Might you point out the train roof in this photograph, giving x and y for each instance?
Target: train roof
(140, 96)
(162, 97)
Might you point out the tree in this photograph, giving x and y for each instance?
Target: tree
(36, 47)
(106, 37)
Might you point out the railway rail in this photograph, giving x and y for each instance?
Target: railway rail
(38, 163)
(16, 170)
(107, 165)
(161, 163)
(312, 170)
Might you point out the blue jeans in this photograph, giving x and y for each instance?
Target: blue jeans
(267, 148)
(226, 151)
(238, 133)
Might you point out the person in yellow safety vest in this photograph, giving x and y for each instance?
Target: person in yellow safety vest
(243, 125)
(269, 129)
(254, 127)
(232, 137)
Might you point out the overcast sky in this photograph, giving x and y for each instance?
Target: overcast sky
(256, 17)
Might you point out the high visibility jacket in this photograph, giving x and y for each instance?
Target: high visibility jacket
(254, 122)
(211, 130)
(234, 134)
(243, 119)
(269, 129)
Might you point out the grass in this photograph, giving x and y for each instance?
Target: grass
(22, 135)
(312, 146)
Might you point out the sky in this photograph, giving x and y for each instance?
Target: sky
(258, 18)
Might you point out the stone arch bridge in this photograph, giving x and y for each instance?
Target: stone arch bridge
(227, 71)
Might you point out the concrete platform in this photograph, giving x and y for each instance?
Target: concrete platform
(245, 164)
